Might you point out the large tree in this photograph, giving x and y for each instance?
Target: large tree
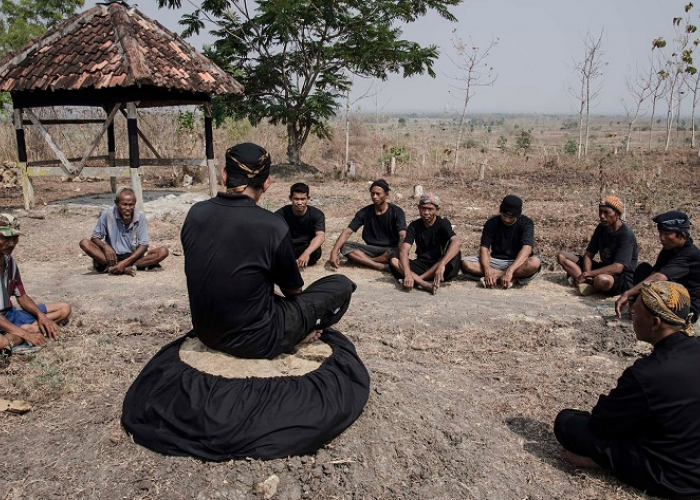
(296, 58)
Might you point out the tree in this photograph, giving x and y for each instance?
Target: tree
(23, 20)
(589, 70)
(474, 72)
(296, 57)
(640, 89)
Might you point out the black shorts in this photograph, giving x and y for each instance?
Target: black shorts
(419, 266)
(621, 282)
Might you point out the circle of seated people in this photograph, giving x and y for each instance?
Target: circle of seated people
(190, 400)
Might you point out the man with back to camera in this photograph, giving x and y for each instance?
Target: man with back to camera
(437, 249)
(384, 230)
(616, 244)
(119, 243)
(235, 254)
(646, 431)
(679, 261)
(506, 248)
(307, 225)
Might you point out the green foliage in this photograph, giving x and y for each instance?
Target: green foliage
(186, 122)
(502, 143)
(398, 152)
(402, 122)
(296, 58)
(524, 140)
(571, 147)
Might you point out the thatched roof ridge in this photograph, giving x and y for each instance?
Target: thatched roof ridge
(112, 46)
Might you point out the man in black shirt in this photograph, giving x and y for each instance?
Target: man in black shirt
(437, 249)
(617, 246)
(506, 250)
(384, 229)
(307, 225)
(235, 253)
(646, 430)
(679, 261)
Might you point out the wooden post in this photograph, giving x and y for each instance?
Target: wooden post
(111, 154)
(27, 188)
(392, 165)
(134, 163)
(209, 146)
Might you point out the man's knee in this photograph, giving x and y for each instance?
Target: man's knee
(562, 257)
(85, 244)
(603, 282)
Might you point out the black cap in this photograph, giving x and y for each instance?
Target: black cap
(382, 184)
(674, 220)
(246, 164)
(512, 206)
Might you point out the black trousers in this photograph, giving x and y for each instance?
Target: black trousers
(321, 305)
(299, 248)
(623, 457)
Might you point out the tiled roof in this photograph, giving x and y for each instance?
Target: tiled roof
(110, 46)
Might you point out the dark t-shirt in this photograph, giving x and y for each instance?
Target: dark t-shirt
(506, 241)
(380, 230)
(682, 266)
(616, 247)
(303, 229)
(431, 242)
(654, 409)
(235, 252)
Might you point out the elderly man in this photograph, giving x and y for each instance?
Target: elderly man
(679, 261)
(307, 225)
(646, 430)
(33, 323)
(437, 249)
(384, 230)
(616, 244)
(506, 249)
(119, 243)
(235, 254)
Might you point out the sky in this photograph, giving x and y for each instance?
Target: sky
(538, 43)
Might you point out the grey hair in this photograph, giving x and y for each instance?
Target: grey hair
(121, 190)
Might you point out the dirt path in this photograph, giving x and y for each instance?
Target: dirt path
(465, 385)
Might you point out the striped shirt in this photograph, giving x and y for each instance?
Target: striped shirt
(10, 282)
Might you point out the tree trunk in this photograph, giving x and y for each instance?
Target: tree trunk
(293, 145)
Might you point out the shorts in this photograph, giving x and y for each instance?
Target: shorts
(501, 265)
(101, 268)
(419, 266)
(19, 317)
(621, 282)
(372, 251)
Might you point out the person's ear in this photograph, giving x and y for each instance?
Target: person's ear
(656, 323)
(267, 183)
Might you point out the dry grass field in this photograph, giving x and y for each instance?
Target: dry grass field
(465, 384)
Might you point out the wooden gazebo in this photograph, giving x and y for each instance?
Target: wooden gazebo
(115, 58)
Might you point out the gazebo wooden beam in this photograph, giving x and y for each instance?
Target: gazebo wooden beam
(209, 149)
(132, 129)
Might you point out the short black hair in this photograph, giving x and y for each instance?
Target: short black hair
(299, 187)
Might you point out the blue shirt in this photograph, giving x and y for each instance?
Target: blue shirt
(123, 239)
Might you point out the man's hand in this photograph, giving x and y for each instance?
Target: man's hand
(620, 303)
(334, 260)
(118, 268)
(35, 338)
(438, 277)
(489, 279)
(303, 260)
(47, 327)
(583, 277)
(507, 278)
(110, 255)
(409, 282)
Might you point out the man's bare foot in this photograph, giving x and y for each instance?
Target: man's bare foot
(312, 337)
(130, 271)
(578, 460)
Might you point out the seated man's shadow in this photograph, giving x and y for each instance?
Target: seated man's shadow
(540, 442)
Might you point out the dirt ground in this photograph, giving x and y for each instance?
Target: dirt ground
(465, 384)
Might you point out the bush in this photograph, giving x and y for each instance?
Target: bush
(524, 140)
(571, 147)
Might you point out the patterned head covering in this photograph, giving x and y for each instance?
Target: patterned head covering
(670, 302)
(246, 164)
(613, 202)
(9, 225)
(675, 220)
(429, 198)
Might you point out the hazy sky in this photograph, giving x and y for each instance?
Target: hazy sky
(538, 42)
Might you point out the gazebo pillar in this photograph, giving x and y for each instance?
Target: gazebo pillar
(209, 146)
(111, 155)
(27, 188)
(134, 162)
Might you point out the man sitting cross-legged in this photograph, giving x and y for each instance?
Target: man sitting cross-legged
(33, 323)
(437, 249)
(505, 253)
(307, 225)
(646, 430)
(617, 246)
(384, 229)
(119, 243)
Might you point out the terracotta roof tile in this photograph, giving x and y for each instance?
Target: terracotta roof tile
(111, 46)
